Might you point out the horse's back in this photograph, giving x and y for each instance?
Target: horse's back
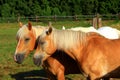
(108, 32)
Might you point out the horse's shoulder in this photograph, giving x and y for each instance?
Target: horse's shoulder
(92, 35)
(96, 39)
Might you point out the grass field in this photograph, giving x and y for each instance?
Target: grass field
(9, 70)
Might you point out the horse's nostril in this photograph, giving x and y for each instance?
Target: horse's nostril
(37, 62)
(19, 58)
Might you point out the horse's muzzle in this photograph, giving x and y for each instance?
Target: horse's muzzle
(38, 60)
(18, 58)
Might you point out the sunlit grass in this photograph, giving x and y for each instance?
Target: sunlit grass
(7, 48)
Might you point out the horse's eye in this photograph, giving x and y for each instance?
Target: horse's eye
(27, 39)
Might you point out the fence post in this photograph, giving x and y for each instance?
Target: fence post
(118, 15)
(97, 21)
(18, 19)
(75, 17)
(36, 18)
(94, 23)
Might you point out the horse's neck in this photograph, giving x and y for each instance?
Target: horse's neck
(69, 44)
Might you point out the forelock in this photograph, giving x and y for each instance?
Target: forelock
(22, 31)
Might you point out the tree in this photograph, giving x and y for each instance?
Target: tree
(88, 6)
(113, 6)
(45, 8)
(76, 7)
(46, 12)
(66, 7)
(36, 9)
(5, 10)
(57, 7)
(56, 11)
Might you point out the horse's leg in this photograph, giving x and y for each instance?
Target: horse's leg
(106, 78)
(88, 78)
(51, 76)
(93, 77)
(60, 75)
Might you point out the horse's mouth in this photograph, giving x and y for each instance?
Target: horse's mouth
(38, 60)
(18, 58)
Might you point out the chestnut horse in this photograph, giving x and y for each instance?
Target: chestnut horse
(97, 56)
(56, 65)
(26, 39)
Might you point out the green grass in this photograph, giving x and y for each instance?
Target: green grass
(9, 70)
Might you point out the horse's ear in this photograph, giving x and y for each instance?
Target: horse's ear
(29, 25)
(20, 24)
(49, 31)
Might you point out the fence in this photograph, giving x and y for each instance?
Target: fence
(59, 18)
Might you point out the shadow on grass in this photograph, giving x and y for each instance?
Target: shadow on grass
(30, 75)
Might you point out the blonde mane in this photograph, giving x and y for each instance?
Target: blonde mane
(68, 38)
(24, 30)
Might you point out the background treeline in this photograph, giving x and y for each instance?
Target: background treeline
(13, 8)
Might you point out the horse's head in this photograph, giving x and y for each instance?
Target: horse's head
(45, 47)
(25, 42)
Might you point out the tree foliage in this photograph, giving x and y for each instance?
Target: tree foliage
(15, 8)
(6, 10)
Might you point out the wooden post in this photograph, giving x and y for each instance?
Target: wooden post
(18, 19)
(95, 23)
(36, 18)
(75, 17)
(119, 16)
(99, 22)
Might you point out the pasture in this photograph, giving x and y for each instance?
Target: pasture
(9, 70)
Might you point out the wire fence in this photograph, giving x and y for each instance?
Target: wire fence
(59, 18)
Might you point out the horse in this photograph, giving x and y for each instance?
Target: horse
(97, 57)
(84, 29)
(54, 66)
(109, 32)
(26, 39)
(106, 31)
